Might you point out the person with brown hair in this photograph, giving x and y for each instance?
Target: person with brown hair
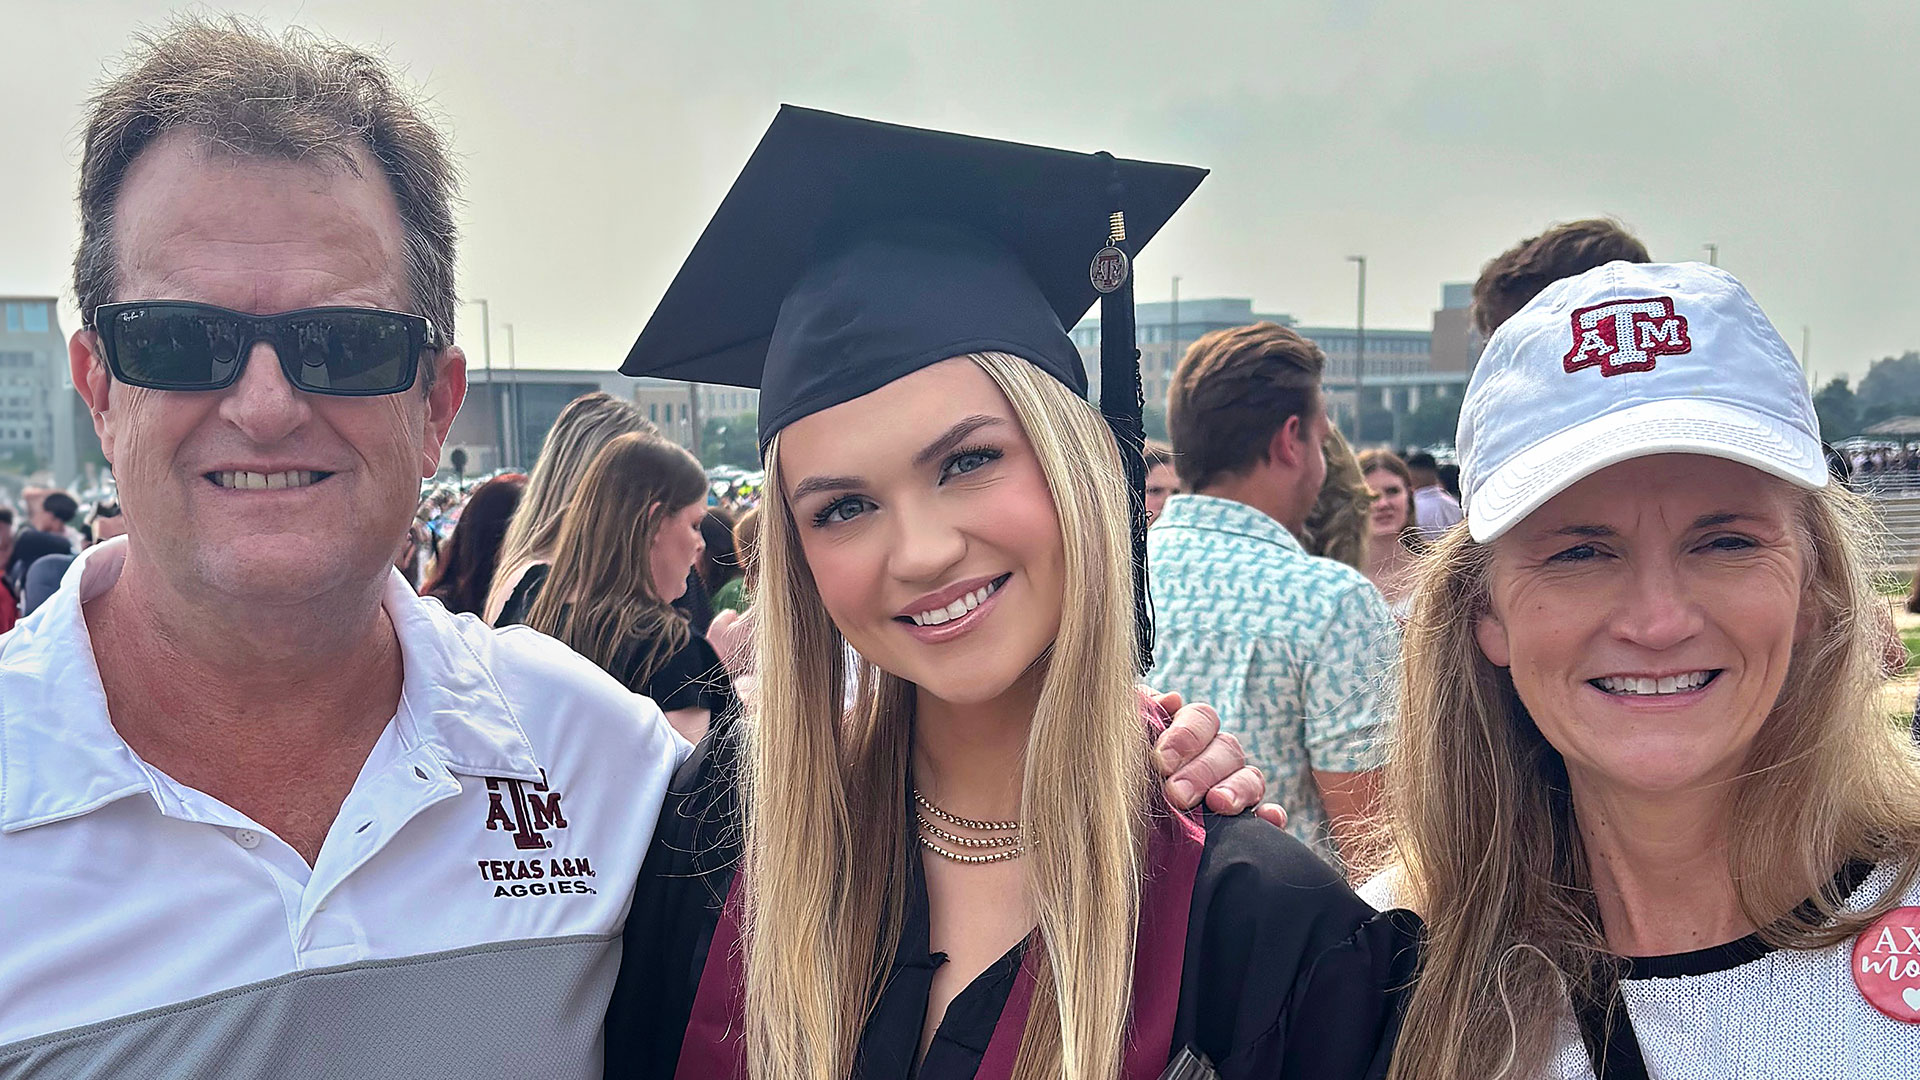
(1394, 540)
(267, 811)
(1517, 275)
(731, 632)
(720, 565)
(627, 543)
(1642, 785)
(1293, 650)
(585, 425)
(1336, 527)
(465, 567)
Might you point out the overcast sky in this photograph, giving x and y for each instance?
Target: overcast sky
(597, 138)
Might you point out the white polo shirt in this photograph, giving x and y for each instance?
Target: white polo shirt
(462, 918)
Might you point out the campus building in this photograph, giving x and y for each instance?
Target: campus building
(1403, 367)
(508, 413)
(45, 429)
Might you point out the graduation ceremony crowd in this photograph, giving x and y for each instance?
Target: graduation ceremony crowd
(951, 750)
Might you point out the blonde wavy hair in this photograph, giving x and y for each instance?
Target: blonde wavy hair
(827, 835)
(1484, 844)
(588, 423)
(1337, 526)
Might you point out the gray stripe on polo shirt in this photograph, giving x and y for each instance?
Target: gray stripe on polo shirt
(519, 1008)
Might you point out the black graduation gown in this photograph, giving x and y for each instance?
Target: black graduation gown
(1286, 972)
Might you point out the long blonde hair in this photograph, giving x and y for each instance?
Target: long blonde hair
(1488, 851)
(827, 836)
(583, 427)
(600, 596)
(1337, 527)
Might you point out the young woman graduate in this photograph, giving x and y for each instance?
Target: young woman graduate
(968, 869)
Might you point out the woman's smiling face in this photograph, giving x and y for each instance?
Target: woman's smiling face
(930, 530)
(1648, 615)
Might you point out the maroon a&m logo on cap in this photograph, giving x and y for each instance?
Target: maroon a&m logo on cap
(1620, 336)
(1886, 964)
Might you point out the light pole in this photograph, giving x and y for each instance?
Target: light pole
(513, 403)
(486, 351)
(1360, 354)
(1173, 327)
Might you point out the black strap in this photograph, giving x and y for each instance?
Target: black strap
(1607, 1031)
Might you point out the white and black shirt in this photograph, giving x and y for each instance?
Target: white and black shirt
(1749, 1011)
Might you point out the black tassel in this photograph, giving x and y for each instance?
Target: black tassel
(1121, 402)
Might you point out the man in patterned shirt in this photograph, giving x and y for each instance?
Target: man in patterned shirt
(1295, 651)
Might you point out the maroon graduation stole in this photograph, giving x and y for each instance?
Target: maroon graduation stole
(714, 1047)
(1159, 954)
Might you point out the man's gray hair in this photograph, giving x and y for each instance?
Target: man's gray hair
(295, 97)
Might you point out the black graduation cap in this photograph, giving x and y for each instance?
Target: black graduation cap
(850, 253)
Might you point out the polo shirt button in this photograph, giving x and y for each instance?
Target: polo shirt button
(246, 838)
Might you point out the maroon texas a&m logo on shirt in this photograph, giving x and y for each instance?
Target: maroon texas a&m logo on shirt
(524, 809)
(1620, 336)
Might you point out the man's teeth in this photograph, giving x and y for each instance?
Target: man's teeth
(1670, 684)
(956, 609)
(253, 481)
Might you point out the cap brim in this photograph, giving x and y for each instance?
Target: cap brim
(1527, 480)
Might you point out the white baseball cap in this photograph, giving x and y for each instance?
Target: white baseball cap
(1624, 361)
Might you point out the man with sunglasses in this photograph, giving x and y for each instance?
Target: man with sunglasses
(263, 811)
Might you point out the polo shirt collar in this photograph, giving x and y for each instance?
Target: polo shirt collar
(1214, 514)
(60, 756)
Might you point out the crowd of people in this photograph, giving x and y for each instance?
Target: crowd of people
(40, 539)
(891, 766)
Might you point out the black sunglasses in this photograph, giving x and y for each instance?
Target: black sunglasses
(181, 345)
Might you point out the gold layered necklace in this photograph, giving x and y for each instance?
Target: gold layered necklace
(1005, 840)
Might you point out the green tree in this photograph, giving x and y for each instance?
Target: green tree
(1435, 421)
(731, 440)
(1892, 382)
(1838, 409)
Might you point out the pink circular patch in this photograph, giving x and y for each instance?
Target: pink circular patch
(1886, 964)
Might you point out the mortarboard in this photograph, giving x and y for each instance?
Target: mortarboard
(850, 253)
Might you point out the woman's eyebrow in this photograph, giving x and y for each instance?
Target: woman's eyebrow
(938, 448)
(814, 484)
(945, 444)
(1714, 521)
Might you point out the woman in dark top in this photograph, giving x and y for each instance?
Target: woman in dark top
(628, 542)
(465, 568)
(961, 868)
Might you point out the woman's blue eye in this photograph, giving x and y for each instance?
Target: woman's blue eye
(967, 461)
(1730, 543)
(839, 510)
(1578, 553)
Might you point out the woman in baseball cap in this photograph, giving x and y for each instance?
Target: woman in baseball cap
(1643, 792)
